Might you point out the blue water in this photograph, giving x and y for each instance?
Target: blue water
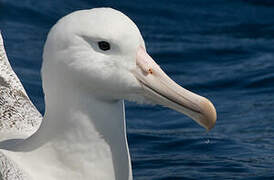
(221, 49)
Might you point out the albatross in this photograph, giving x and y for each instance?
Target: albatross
(93, 60)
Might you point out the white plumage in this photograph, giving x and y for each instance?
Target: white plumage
(83, 133)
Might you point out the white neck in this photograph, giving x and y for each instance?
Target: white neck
(80, 136)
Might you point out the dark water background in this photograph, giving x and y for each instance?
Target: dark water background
(221, 49)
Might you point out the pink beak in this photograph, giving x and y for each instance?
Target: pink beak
(160, 89)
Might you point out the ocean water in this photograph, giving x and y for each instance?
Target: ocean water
(221, 49)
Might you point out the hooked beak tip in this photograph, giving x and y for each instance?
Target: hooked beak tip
(209, 114)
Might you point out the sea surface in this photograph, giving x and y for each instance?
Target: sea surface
(221, 49)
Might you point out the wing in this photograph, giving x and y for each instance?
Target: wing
(9, 170)
(18, 116)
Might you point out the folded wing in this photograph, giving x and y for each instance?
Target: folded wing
(18, 116)
(10, 171)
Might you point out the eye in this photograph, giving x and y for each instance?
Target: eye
(103, 45)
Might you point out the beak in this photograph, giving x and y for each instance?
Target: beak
(160, 89)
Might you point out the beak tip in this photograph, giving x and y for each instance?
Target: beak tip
(210, 115)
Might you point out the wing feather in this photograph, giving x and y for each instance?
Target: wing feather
(9, 170)
(19, 118)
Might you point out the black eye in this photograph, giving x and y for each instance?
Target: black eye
(103, 45)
